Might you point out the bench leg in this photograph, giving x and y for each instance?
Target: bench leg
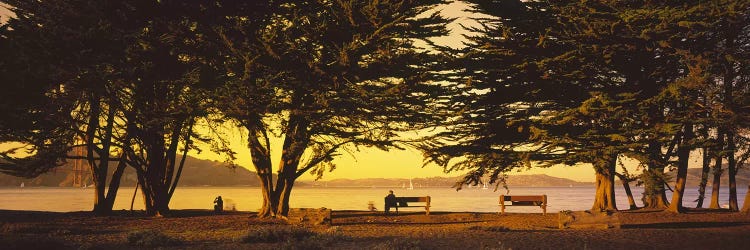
(427, 209)
(544, 209)
(502, 208)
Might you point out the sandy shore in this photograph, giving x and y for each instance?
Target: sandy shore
(191, 229)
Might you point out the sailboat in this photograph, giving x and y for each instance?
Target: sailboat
(484, 186)
(411, 185)
(23, 184)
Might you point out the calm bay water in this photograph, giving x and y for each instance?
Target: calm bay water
(248, 198)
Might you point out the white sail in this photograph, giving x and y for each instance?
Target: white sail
(23, 184)
(411, 185)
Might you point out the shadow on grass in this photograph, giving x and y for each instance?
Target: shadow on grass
(674, 225)
(355, 213)
(405, 223)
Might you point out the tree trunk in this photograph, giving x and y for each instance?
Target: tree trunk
(654, 193)
(704, 176)
(746, 205)
(731, 166)
(155, 193)
(270, 202)
(99, 177)
(285, 197)
(683, 157)
(716, 185)
(114, 185)
(626, 185)
(604, 199)
(103, 203)
(732, 32)
(260, 154)
(155, 200)
(276, 199)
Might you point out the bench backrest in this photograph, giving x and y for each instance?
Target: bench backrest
(523, 198)
(414, 199)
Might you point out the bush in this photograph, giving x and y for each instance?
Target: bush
(398, 244)
(276, 234)
(490, 228)
(30, 242)
(151, 238)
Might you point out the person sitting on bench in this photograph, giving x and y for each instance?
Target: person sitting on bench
(390, 201)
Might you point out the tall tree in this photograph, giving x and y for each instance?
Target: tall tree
(327, 75)
(734, 25)
(132, 74)
(75, 62)
(499, 90)
(717, 32)
(168, 71)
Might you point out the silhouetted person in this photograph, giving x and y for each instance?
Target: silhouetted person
(390, 201)
(218, 204)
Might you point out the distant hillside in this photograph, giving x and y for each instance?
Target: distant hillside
(742, 177)
(513, 181)
(196, 172)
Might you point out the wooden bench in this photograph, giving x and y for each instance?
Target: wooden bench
(524, 200)
(409, 202)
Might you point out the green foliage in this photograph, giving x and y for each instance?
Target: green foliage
(653, 182)
(151, 238)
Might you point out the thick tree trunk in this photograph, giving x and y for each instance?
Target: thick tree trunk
(285, 197)
(704, 177)
(654, 193)
(260, 155)
(155, 200)
(746, 204)
(604, 199)
(276, 198)
(157, 176)
(155, 193)
(683, 157)
(268, 208)
(626, 185)
(716, 185)
(100, 179)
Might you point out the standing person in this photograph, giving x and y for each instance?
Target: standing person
(218, 204)
(390, 201)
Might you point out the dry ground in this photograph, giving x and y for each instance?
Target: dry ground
(191, 229)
